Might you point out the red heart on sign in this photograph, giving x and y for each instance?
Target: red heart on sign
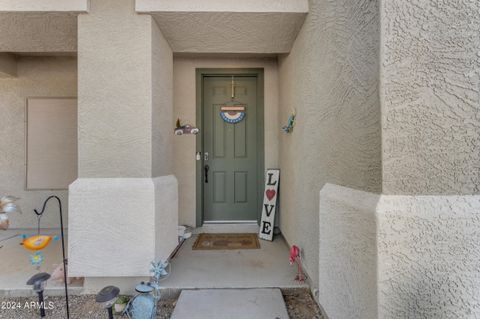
(270, 194)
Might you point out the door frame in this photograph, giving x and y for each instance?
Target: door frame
(201, 74)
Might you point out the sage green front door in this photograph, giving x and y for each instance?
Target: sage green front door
(230, 150)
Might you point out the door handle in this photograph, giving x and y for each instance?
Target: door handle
(206, 168)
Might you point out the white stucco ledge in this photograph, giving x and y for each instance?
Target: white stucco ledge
(392, 256)
(300, 6)
(117, 226)
(44, 5)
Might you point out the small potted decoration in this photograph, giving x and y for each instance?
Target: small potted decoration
(121, 303)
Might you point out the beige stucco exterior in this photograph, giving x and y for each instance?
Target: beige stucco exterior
(333, 84)
(116, 77)
(50, 33)
(44, 5)
(431, 95)
(380, 176)
(423, 248)
(36, 77)
(124, 143)
(185, 109)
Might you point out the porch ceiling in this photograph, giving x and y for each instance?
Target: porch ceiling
(228, 26)
(38, 32)
(230, 32)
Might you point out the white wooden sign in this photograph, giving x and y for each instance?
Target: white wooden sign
(269, 204)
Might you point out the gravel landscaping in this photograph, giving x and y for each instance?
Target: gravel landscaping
(300, 305)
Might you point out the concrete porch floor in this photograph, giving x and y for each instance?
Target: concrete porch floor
(267, 267)
(256, 268)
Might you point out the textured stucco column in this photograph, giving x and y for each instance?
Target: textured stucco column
(430, 89)
(118, 226)
(428, 222)
(398, 256)
(348, 253)
(124, 206)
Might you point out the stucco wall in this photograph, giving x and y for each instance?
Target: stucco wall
(38, 32)
(44, 5)
(115, 91)
(331, 78)
(125, 93)
(162, 103)
(391, 256)
(39, 77)
(119, 225)
(428, 264)
(431, 97)
(348, 253)
(125, 139)
(185, 106)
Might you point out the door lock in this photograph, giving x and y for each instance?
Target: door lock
(205, 156)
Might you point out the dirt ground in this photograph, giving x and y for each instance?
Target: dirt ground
(300, 305)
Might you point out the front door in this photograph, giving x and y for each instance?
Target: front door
(230, 183)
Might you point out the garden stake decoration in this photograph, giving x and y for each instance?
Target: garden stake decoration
(107, 298)
(7, 205)
(38, 282)
(41, 241)
(295, 257)
(36, 243)
(144, 304)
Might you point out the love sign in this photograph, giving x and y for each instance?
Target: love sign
(269, 204)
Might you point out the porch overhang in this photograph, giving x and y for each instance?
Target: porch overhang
(77, 6)
(38, 32)
(228, 26)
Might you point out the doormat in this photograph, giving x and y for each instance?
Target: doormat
(226, 241)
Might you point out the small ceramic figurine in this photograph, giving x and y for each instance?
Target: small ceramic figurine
(58, 274)
(144, 304)
(185, 129)
(7, 205)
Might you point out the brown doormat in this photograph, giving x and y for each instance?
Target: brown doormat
(226, 241)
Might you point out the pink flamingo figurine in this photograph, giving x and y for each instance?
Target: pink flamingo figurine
(295, 257)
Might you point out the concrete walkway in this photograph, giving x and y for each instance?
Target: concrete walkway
(231, 304)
